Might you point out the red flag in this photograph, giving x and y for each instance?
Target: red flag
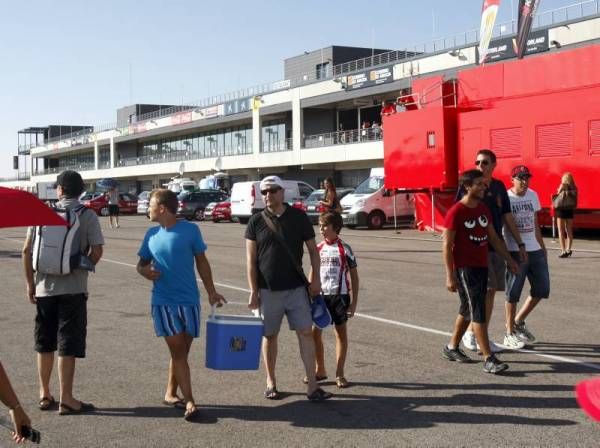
(526, 12)
(489, 11)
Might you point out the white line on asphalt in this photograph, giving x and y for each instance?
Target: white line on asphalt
(385, 321)
(402, 324)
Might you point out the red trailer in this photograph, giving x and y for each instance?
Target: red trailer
(542, 111)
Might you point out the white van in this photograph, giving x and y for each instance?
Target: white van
(180, 184)
(371, 205)
(247, 200)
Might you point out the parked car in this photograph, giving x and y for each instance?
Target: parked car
(89, 196)
(218, 211)
(313, 208)
(143, 202)
(192, 204)
(247, 200)
(127, 203)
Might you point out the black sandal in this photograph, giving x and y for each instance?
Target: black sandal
(47, 403)
(319, 395)
(271, 393)
(192, 415)
(65, 409)
(318, 379)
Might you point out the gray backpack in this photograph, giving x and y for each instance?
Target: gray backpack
(57, 249)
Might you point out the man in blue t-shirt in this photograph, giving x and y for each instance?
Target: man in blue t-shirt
(167, 257)
(496, 200)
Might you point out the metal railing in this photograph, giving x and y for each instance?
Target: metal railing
(20, 176)
(277, 146)
(56, 170)
(343, 137)
(177, 156)
(544, 18)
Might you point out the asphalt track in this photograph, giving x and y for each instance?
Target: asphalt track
(403, 392)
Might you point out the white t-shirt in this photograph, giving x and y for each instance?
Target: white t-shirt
(524, 209)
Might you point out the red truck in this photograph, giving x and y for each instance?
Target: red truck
(542, 111)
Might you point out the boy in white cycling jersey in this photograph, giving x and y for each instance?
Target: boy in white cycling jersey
(339, 286)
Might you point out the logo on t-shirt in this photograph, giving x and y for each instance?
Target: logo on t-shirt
(476, 230)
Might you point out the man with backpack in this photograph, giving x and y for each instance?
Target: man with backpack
(56, 260)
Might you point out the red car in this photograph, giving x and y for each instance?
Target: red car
(127, 203)
(218, 211)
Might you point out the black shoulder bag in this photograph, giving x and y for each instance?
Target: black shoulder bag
(271, 225)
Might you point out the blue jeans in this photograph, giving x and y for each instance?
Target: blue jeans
(535, 269)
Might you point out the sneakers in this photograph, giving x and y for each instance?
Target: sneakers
(495, 348)
(469, 341)
(494, 365)
(523, 333)
(512, 342)
(455, 355)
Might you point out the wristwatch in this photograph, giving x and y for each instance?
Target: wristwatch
(521, 245)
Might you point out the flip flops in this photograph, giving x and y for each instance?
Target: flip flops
(65, 409)
(192, 415)
(341, 382)
(47, 403)
(177, 404)
(319, 395)
(271, 393)
(317, 379)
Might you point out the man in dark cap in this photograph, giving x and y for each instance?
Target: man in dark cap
(61, 301)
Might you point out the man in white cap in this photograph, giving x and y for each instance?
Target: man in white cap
(274, 249)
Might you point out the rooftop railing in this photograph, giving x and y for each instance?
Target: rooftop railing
(547, 18)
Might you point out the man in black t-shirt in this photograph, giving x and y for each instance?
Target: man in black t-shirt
(496, 200)
(277, 286)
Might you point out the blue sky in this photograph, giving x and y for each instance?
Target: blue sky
(69, 62)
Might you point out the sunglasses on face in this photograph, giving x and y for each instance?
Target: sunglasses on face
(482, 162)
(269, 190)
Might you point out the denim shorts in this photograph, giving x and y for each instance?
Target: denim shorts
(535, 269)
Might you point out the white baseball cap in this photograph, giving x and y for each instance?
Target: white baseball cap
(271, 182)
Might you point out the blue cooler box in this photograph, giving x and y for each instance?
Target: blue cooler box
(233, 342)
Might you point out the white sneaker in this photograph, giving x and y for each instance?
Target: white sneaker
(469, 341)
(512, 342)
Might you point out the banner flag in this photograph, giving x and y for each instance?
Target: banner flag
(489, 12)
(526, 12)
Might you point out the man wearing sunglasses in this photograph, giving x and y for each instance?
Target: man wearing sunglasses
(277, 286)
(497, 201)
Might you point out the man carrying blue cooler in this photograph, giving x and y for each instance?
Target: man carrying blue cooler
(167, 257)
(274, 249)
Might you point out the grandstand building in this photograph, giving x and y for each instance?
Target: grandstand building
(322, 119)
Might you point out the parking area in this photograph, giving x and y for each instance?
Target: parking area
(403, 392)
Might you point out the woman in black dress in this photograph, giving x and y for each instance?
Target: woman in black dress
(564, 215)
(330, 199)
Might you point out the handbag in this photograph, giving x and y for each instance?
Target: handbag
(565, 199)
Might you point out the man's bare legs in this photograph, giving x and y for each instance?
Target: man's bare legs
(45, 363)
(307, 353)
(269, 351)
(172, 384)
(66, 373)
(179, 346)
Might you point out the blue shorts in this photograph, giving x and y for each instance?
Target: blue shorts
(535, 270)
(170, 320)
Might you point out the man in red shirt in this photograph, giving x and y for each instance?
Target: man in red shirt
(468, 230)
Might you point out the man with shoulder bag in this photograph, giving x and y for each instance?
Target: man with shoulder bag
(274, 250)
